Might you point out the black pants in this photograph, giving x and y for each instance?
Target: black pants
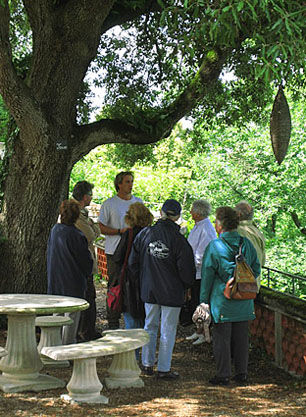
(113, 272)
(87, 326)
(190, 306)
(195, 294)
(231, 340)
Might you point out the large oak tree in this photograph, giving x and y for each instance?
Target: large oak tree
(169, 64)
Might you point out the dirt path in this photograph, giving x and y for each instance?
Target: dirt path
(270, 391)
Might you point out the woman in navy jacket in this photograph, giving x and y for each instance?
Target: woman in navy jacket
(69, 262)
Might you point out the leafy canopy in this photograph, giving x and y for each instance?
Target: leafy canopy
(148, 63)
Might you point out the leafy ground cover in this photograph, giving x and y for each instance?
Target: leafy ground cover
(269, 392)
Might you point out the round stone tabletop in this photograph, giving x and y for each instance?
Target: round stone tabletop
(40, 304)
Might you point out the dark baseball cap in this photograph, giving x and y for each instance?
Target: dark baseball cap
(172, 207)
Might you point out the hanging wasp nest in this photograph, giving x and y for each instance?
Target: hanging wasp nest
(280, 126)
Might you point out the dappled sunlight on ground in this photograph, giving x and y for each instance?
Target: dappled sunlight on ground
(270, 391)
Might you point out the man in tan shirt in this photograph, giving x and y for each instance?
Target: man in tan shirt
(82, 193)
(248, 229)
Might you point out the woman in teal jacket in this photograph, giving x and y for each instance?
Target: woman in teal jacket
(230, 317)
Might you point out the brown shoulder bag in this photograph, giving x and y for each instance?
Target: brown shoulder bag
(242, 286)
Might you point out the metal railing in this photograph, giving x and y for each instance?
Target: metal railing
(290, 284)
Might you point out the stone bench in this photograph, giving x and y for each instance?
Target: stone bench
(51, 336)
(84, 385)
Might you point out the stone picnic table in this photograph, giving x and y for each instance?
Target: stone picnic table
(20, 368)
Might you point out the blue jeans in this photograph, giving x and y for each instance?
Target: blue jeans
(169, 318)
(131, 323)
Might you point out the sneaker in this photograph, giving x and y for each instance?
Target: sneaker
(147, 370)
(167, 375)
(194, 336)
(241, 378)
(219, 381)
(200, 340)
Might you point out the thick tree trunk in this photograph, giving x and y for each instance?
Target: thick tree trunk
(34, 189)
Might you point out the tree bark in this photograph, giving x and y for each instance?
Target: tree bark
(34, 188)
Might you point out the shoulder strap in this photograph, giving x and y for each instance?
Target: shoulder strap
(232, 248)
(127, 254)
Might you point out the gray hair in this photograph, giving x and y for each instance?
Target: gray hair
(165, 216)
(202, 208)
(244, 210)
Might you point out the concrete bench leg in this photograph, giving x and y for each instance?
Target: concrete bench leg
(51, 336)
(124, 372)
(84, 385)
(3, 352)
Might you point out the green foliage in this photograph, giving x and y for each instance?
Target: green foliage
(97, 168)
(224, 165)
(151, 61)
(4, 117)
(268, 25)
(20, 38)
(128, 155)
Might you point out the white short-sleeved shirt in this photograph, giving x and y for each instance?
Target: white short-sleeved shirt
(112, 214)
(199, 237)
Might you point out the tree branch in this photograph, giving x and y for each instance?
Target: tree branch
(15, 93)
(297, 222)
(115, 131)
(204, 79)
(89, 136)
(38, 12)
(121, 14)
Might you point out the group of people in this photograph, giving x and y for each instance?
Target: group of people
(159, 266)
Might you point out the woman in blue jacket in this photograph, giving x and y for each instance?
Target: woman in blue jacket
(230, 317)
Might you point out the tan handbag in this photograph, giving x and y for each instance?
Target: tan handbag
(242, 286)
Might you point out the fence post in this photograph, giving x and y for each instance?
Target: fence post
(278, 338)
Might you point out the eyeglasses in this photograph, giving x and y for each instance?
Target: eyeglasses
(89, 193)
